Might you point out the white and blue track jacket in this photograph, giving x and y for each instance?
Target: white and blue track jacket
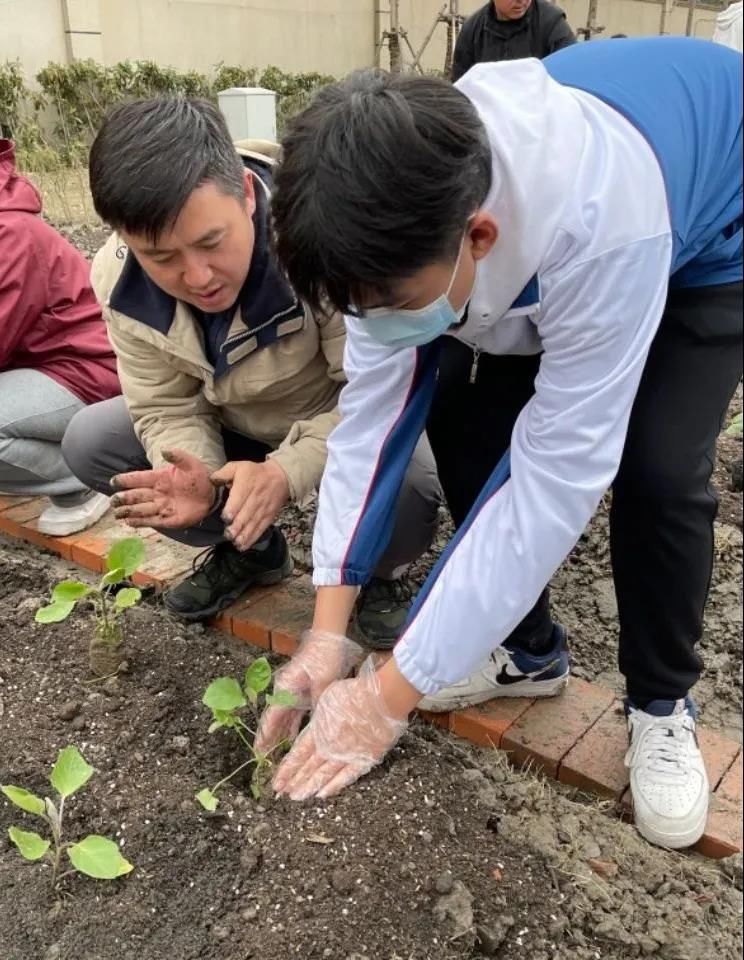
(617, 172)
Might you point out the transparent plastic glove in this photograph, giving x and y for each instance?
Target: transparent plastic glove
(350, 732)
(320, 659)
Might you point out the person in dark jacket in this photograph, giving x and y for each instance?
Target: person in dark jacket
(55, 357)
(511, 30)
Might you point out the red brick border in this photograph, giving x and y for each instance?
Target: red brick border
(578, 738)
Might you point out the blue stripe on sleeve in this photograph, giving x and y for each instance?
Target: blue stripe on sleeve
(495, 482)
(375, 526)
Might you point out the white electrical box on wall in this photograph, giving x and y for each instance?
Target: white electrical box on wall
(250, 112)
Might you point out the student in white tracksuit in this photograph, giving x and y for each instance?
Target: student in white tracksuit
(545, 263)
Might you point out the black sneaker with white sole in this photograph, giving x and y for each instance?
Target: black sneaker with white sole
(222, 574)
(381, 612)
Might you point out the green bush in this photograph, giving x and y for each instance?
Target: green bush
(56, 125)
(19, 109)
(13, 93)
(227, 77)
(81, 92)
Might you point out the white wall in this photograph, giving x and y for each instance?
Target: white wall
(330, 36)
(32, 31)
(638, 17)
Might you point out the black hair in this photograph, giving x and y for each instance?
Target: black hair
(149, 155)
(378, 178)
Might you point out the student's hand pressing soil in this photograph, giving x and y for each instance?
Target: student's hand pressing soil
(321, 659)
(350, 732)
(176, 496)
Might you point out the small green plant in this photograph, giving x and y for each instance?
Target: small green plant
(226, 698)
(94, 856)
(106, 651)
(736, 426)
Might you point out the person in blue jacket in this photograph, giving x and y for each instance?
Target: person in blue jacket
(542, 266)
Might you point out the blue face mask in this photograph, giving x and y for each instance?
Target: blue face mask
(414, 328)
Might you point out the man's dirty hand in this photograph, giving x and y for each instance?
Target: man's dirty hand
(175, 496)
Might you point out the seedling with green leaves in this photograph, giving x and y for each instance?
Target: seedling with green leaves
(94, 856)
(226, 698)
(106, 654)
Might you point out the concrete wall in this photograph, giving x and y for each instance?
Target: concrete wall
(21, 37)
(639, 18)
(331, 36)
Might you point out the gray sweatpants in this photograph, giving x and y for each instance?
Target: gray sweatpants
(100, 443)
(35, 411)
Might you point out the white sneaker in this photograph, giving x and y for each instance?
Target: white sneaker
(507, 673)
(668, 780)
(58, 521)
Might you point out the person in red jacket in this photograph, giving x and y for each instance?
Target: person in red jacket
(55, 357)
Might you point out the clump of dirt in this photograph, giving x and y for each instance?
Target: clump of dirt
(444, 853)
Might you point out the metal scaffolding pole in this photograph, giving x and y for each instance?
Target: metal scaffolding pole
(666, 10)
(394, 36)
(453, 24)
(691, 5)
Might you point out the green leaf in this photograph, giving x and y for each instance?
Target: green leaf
(224, 693)
(99, 858)
(222, 718)
(30, 845)
(113, 577)
(256, 790)
(258, 675)
(225, 717)
(55, 612)
(128, 554)
(207, 799)
(282, 698)
(70, 772)
(69, 591)
(127, 597)
(25, 800)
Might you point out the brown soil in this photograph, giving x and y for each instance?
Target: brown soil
(442, 854)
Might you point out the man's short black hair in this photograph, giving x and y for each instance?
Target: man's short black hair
(149, 155)
(378, 178)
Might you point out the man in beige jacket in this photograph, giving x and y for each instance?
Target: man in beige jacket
(230, 383)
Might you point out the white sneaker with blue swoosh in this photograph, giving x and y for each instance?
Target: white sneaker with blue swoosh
(508, 673)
